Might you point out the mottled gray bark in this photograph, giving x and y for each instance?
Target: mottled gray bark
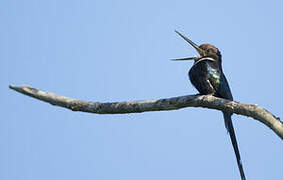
(206, 101)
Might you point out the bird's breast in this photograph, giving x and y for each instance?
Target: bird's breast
(206, 68)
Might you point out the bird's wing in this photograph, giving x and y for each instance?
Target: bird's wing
(199, 78)
(220, 84)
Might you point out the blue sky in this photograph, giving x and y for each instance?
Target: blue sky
(120, 50)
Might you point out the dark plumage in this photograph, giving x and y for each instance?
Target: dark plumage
(208, 78)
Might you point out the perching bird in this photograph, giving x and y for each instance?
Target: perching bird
(208, 78)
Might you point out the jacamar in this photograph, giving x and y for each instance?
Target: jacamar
(208, 78)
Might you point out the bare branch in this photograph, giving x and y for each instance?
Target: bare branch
(205, 101)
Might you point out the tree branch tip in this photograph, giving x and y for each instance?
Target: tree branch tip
(20, 87)
(11, 86)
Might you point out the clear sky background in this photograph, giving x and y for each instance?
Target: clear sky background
(118, 51)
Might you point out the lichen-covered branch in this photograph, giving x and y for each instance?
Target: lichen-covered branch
(205, 101)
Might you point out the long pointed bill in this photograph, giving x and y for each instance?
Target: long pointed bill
(200, 51)
(184, 59)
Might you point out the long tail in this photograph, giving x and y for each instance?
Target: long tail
(230, 128)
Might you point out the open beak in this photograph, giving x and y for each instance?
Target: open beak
(199, 50)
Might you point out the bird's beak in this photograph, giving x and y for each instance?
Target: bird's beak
(199, 50)
(184, 59)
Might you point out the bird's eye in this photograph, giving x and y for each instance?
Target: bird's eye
(209, 50)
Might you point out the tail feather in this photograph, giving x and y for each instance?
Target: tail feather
(230, 129)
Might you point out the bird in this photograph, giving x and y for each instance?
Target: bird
(208, 78)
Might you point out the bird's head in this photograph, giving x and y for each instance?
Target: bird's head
(204, 50)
